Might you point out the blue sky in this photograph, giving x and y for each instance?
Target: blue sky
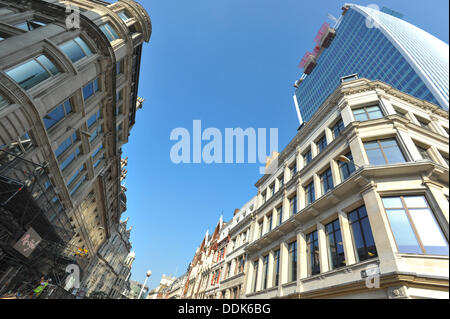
(229, 64)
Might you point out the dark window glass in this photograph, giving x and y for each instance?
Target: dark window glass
(292, 205)
(255, 274)
(362, 234)
(293, 169)
(109, 32)
(337, 128)
(312, 247)
(336, 257)
(57, 114)
(265, 270)
(123, 15)
(423, 153)
(326, 181)
(94, 118)
(292, 261)
(307, 157)
(276, 263)
(66, 144)
(384, 151)
(72, 156)
(280, 215)
(321, 143)
(310, 193)
(269, 222)
(414, 226)
(90, 89)
(30, 25)
(346, 169)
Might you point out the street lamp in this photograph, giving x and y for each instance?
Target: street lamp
(148, 274)
(345, 159)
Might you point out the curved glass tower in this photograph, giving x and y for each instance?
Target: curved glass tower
(377, 46)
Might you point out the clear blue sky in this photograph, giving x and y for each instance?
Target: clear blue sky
(230, 64)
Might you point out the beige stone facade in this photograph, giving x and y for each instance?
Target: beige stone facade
(357, 208)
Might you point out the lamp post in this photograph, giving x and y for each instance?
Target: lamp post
(345, 159)
(148, 274)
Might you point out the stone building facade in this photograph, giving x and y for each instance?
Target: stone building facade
(69, 74)
(356, 207)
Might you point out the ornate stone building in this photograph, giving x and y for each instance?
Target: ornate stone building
(69, 75)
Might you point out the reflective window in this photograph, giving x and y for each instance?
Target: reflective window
(97, 150)
(367, 113)
(33, 72)
(337, 128)
(414, 226)
(90, 89)
(280, 215)
(292, 261)
(326, 181)
(293, 170)
(276, 267)
(72, 156)
(75, 49)
(77, 185)
(30, 25)
(293, 205)
(346, 169)
(336, 256)
(307, 157)
(384, 151)
(321, 144)
(66, 144)
(255, 274)
(269, 223)
(312, 250)
(424, 153)
(109, 32)
(75, 175)
(119, 67)
(99, 160)
(362, 234)
(98, 130)
(310, 193)
(123, 15)
(3, 102)
(57, 114)
(93, 119)
(265, 270)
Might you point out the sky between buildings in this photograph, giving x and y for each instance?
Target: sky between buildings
(229, 64)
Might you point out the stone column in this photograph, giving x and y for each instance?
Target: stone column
(439, 197)
(407, 141)
(382, 234)
(323, 252)
(301, 197)
(259, 274)
(299, 159)
(346, 113)
(283, 266)
(386, 105)
(347, 239)
(335, 173)
(302, 270)
(328, 135)
(357, 148)
(249, 278)
(317, 188)
(285, 206)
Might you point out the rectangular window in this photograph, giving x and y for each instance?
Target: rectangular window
(281, 181)
(326, 181)
(75, 175)
(293, 170)
(75, 49)
(362, 234)
(109, 32)
(265, 271)
(292, 261)
(78, 185)
(280, 215)
(30, 25)
(346, 169)
(66, 144)
(367, 113)
(98, 130)
(310, 195)
(57, 114)
(119, 67)
(312, 250)
(384, 151)
(424, 153)
(123, 15)
(321, 143)
(3, 102)
(414, 226)
(336, 257)
(72, 156)
(90, 89)
(33, 72)
(337, 128)
(241, 264)
(307, 157)
(93, 119)
(97, 150)
(293, 205)
(276, 267)
(99, 161)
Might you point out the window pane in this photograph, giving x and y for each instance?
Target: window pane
(83, 45)
(429, 232)
(375, 157)
(72, 50)
(403, 233)
(48, 64)
(392, 202)
(415, 201)
(394, 155)
(28, 74)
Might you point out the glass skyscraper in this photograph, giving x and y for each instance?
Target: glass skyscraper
(377, 46)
